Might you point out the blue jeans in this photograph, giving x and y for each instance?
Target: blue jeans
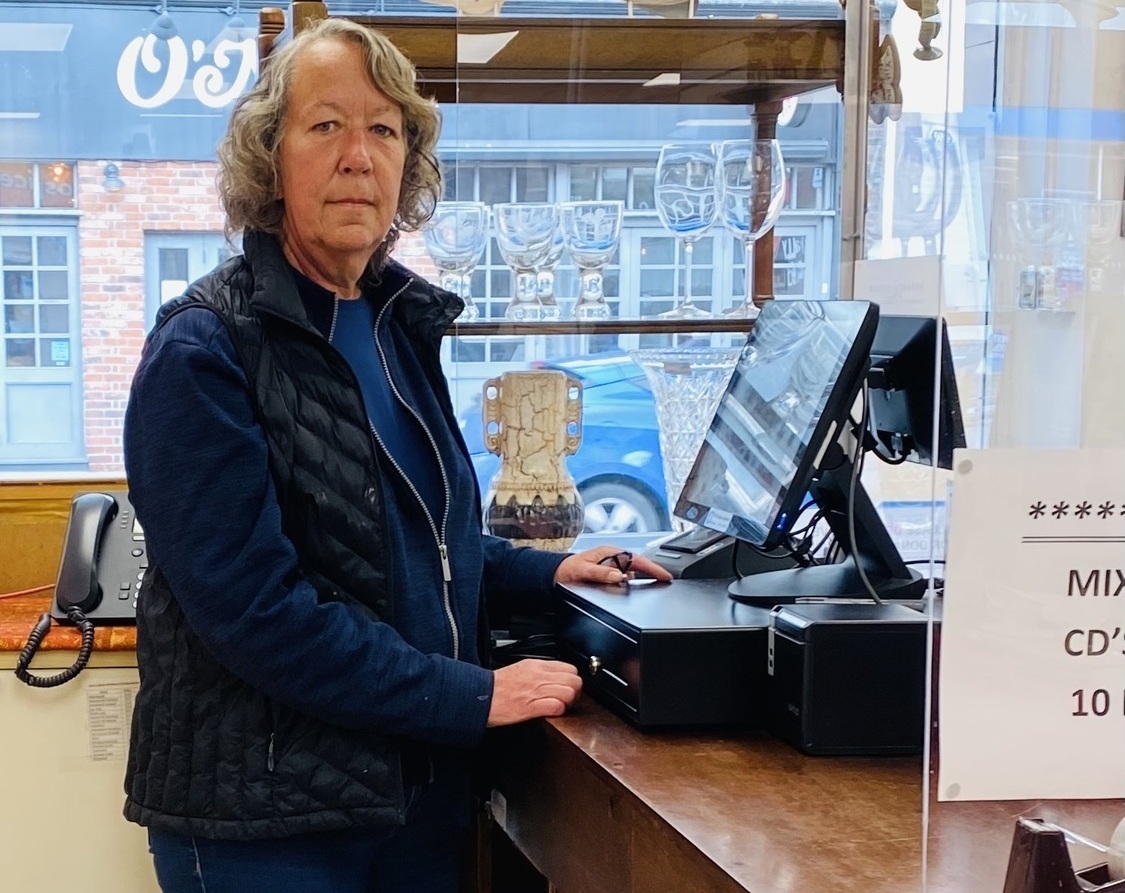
(422, 856)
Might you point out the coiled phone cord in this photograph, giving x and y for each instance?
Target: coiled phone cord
(36, 638)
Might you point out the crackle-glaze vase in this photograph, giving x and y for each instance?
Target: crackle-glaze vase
(533, 421)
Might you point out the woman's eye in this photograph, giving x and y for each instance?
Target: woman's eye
(323, 126)
(383, 130)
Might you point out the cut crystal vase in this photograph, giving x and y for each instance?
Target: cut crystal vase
(687, 383)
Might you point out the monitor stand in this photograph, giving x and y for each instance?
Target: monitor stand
(822, 581)
(888, 574)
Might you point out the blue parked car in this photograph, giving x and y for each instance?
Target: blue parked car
(617, 467)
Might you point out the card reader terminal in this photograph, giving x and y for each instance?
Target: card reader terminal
(692, 541)
(695, 554)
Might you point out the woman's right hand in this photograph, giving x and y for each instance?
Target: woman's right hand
(532, 688)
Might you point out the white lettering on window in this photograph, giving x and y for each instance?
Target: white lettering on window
(209, 81)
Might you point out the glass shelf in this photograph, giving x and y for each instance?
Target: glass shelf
(602, 327)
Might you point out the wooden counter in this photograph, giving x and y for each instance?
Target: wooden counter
(599, 807)
(19, 615)
(596, 805)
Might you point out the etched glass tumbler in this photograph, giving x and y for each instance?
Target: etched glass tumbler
(591, 231)
(751, 191)
(685, 203)
(455, 238)
(525, 233)
(546, 278)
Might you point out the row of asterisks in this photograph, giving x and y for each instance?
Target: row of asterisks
(1080, 510)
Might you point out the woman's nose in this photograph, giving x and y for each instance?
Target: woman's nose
(356, 156)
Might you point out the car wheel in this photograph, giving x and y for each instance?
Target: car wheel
(618, 508)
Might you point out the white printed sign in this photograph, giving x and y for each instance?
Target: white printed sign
(1032, 664)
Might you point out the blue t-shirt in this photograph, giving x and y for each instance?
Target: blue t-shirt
(397, 430)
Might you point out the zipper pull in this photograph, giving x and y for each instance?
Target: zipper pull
(446, 573)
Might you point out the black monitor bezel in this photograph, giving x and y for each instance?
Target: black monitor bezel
(902, 368)
(833, 420)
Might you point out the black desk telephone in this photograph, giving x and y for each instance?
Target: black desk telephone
(103, 561)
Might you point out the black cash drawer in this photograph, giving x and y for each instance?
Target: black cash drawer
(606, 657)
(668, 654)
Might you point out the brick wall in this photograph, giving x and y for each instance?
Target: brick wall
(158, 197)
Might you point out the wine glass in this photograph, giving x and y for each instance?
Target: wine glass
(1040, 226)
(751, 191)
(1098, 221)
(455, 238)
(685, 203)
(591, 231)
(525, 233)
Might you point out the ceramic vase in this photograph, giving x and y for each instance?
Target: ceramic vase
(533, 421)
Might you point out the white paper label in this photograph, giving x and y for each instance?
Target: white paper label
(109, 711)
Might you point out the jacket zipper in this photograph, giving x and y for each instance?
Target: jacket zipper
(438, 534)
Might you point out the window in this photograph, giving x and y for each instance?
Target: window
(24, 184)
(40, 366)
(175, 260)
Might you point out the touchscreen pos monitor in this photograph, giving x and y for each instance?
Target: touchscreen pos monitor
(773, 444)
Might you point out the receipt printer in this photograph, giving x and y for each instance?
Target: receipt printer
(847, 678)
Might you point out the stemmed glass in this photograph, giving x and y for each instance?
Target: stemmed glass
(455, 238)
(685, 203)
(1099, 221)
(525, 234)
(751, 191)
(1040, 226)
(546, 278)
(591, 231)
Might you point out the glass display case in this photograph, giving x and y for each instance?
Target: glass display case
(593, 69)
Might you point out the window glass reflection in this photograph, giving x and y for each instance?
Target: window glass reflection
(19, 319)
(15, 250)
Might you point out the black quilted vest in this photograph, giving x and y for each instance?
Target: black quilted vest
(209, 755)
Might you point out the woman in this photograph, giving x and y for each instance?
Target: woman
(309, 625)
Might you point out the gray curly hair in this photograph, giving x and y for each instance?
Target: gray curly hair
(249, 176)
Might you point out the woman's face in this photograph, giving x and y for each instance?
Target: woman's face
(342, 155)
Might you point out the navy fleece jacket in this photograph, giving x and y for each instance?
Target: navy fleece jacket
(196, 462)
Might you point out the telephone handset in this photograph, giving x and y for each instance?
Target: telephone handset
(103, 561)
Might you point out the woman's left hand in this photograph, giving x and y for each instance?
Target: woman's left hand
(607, 564)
